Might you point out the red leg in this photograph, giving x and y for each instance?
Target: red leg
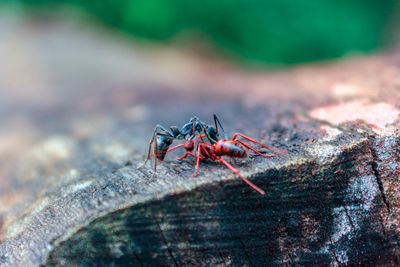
(243, 178)
(175, 147)
(198, 159)
(186, 154)
(255, 141)
(170, 149)
(200, 136)
(191, 154)
(202, 153)
(258, 152)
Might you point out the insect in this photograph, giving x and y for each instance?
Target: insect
(234, 148)
(162, 139)
(218, 147)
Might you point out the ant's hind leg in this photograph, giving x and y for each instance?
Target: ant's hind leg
(259, 190)
(149, 154)
(155, 159)
(256, 151)
(235, 136)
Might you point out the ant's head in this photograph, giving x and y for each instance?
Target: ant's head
(212, 133)
(175, 131)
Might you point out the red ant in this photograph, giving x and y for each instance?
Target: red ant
(233, 148)
(219, 147)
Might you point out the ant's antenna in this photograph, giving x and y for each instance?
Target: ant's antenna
(216, 120)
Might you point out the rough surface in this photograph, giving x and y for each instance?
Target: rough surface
(76, 118)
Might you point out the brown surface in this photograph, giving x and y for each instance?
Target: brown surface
(78, 108)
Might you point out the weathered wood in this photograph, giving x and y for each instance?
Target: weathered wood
(73, 137)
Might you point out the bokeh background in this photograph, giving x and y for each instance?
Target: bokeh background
(258, 32)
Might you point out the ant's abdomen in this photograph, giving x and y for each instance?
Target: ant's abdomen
(231, 149)
(162, 144)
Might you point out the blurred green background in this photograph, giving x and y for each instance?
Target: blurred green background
(272, 32)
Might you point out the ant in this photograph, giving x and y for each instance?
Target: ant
(234, 148)
(162, 139)
(219, 147)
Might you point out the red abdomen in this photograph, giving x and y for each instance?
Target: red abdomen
(230, 148)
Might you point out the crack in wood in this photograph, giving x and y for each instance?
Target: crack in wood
(138, 259)
(222, 258)
(165, 242)
(333, 252)
(374, 153)
(349, 217)
(245, 252)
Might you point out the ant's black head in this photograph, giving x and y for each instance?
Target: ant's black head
(191, 128)
(212, 133)
(175, 131)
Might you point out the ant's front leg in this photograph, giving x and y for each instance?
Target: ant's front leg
(170, 149)
(202, 153)
(188, 153)
(198, 159)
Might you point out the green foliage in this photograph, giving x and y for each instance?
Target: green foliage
(266, 31)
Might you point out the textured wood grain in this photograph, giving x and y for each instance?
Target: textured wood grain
(79, 124)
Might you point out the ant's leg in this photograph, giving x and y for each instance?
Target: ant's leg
(198, 159)
(194, 156)
(258, 152)
(243, 178)
(170, 149)
(189, 153)
(255, 141)
(200, 155)
(155, 158)
(148, 153)
(175, 147)
(184, 156)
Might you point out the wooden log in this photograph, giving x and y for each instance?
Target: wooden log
(71, 193)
